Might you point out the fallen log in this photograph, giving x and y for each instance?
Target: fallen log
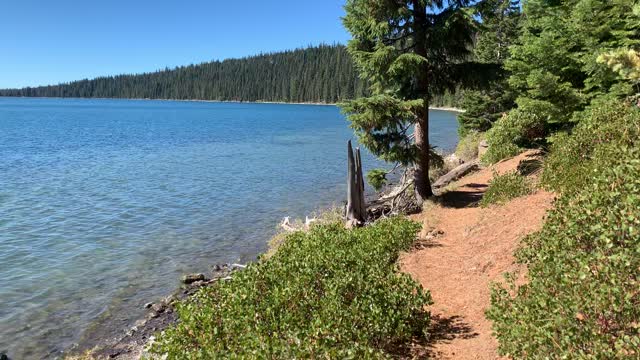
(455, 174)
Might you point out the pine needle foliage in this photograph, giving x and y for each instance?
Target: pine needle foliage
(554, 66)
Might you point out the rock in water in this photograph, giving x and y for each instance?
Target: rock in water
(191, 278)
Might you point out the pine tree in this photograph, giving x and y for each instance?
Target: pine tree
(554, 66)
(498, 31)
(322, 73)
(409, 51)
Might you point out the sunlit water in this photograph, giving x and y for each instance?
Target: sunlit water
(105, 203)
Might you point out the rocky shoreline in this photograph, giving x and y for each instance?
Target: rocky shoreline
(160, 315)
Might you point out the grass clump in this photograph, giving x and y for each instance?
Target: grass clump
(503, 188)
(467, 148)
(326, 293)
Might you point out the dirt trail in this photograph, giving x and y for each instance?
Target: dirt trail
(464, 249)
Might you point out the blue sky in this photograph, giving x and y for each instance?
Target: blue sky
(48, 42)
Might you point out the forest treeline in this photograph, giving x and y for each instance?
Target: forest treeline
(323, 73)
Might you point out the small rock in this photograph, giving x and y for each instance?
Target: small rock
(132, 331)
(190, 278)
(158, 308)
(4, 356)
(148, 305)
(170, 299)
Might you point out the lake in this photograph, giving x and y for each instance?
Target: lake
(104, 204)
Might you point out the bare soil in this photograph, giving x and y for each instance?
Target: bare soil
(463, 249)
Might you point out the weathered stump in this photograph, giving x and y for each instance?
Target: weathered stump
(356, 210)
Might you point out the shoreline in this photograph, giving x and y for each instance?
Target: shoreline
(132, 341)
(438, 108)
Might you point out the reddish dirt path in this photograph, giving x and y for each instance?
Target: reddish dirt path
(463, 249)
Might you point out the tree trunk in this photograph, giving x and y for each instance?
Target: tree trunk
(421, 176)
(421, 132)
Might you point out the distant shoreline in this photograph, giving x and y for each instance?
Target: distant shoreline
(440, 108)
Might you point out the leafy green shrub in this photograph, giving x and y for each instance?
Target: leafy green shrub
(467, 148)
(571, 162)
(581, 299)
(328, 293)
(512, 133)
(503, 188)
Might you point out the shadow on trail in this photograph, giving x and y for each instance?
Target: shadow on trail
(441, 330)
(446, 329)
(462, 199)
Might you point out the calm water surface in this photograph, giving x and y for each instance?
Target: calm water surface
(105, 203)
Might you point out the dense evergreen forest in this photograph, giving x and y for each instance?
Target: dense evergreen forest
(322, 73)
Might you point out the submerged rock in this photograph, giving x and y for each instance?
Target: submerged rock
(191, 278)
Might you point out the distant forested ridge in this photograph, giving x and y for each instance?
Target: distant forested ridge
(323, 74)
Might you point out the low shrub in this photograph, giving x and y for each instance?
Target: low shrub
(512, 133)
(467, 148)
(503, 188)
(333, 215)
(583, 291)
(571, 163)
(326, 293)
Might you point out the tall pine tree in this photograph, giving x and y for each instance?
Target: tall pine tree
(498, 31)
(554, 66)
(408, 51)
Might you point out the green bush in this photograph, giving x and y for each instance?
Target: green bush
(328, 293)
(377, 178)
(571, 163)
(583, 292)
(512, 133)
(467, 148)
(503, 188)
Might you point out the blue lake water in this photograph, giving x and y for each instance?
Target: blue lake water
(105, 203)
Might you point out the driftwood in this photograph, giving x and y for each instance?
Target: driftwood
(355, 211)
(455, 174)
(288, 226)
(398, 200)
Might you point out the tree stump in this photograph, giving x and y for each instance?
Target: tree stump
(356, 209)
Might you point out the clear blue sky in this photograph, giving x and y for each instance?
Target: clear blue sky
(48, 42)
